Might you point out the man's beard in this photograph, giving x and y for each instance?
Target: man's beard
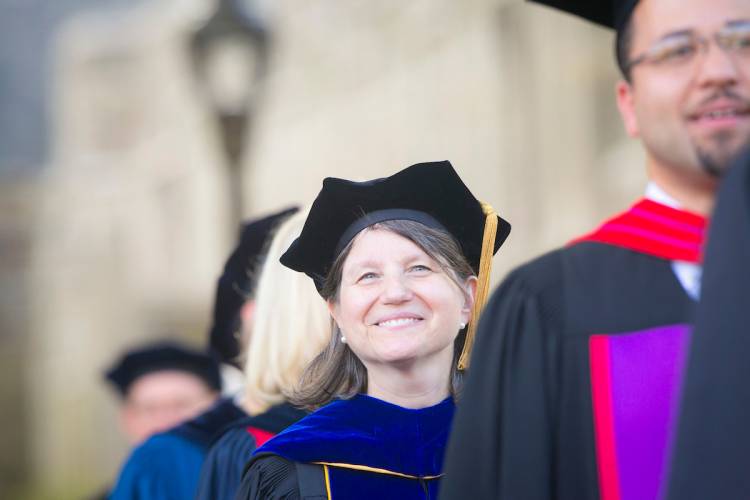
(716, 157)
(716, 160)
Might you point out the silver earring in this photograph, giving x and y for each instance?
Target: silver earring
(461, 326)
(343, 339)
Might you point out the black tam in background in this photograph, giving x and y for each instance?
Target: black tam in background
(237, 284)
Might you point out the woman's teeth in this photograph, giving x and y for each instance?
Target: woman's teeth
(397, 322)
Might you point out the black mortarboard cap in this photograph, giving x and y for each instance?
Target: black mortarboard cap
(237, 283)
(608, 13)
(163, 356)
(430, 193)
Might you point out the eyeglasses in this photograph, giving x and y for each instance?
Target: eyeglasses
(683, 49)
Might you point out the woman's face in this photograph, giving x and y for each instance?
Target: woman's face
(395, 303)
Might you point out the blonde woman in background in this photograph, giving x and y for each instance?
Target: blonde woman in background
(290, 327)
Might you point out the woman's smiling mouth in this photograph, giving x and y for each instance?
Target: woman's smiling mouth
(398, 322)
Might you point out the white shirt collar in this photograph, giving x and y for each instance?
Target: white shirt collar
(655, 193)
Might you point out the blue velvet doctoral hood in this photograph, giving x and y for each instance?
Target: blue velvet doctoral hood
(366, 431)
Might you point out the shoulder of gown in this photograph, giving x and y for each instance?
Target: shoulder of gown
(222, 468)
(269, 477)
(160, 468)
(509, 379)
(531, 340)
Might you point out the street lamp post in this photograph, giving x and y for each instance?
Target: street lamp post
(230, 55)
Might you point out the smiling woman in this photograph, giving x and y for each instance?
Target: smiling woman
(423, 262)
(403, 264)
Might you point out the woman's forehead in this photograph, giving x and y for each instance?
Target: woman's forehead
(376, 244)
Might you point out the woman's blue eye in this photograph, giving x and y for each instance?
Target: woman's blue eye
(420, 267)
(367, 276)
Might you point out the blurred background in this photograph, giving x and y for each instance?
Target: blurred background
(135, 135)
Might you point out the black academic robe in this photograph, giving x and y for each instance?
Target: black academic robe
(572, 382)
(222, 469)
(711, 456)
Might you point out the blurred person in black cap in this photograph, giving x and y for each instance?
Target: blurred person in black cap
(168, 464)
(710, 457)
(161, 385)
(399, 261)
(235, 290)
(290, 326)
(574, 383)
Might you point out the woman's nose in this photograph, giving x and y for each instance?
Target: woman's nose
(396, 290)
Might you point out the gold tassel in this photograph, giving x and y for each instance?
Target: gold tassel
(483, 281)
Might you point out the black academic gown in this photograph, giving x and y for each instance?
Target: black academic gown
(711, 457)
(575, 368)
(222, 469)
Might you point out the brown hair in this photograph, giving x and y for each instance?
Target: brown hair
(337, 372)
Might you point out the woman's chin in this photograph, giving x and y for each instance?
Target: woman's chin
(398, 355)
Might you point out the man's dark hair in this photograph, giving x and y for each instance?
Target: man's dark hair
(622, 48)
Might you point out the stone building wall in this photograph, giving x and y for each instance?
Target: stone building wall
(131, 233)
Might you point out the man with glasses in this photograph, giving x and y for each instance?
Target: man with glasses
(575, 379)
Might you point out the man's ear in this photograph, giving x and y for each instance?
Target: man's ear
(128, 422)
(626, 105)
